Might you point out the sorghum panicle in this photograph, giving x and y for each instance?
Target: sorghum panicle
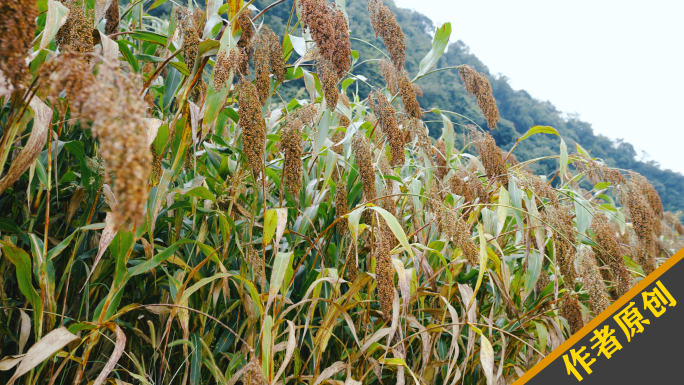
(17, 28)
(253, 126)
(385, 24)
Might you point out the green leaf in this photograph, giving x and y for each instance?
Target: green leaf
(128, 55)
(541, 335)
(157, 259)
(266, 347)
(483, 260)
(539, 130)
(202, 193)
(196, 359)
(534, 265)
(280, 268)
(149, 36)
(581, 150)
(448, 132)
(439, 43)
(270, 223)
(22, 263)
(395, 227)
(57, 14)
(563, 160)
(582, 215)
(323, 129)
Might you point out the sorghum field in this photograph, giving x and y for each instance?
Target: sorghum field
(167, 217)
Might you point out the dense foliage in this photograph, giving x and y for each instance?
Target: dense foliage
(191, 196)
(519, 111)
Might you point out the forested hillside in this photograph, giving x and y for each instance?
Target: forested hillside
(519, 111)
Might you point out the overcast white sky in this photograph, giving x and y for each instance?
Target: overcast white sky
(619, 64)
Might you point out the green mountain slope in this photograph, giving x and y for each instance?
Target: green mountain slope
(518, 110)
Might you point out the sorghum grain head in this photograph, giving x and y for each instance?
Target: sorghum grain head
(408, 96)
(384, 272)
(226, 61)
(341, 205)
(591, 280)
(477, 85)
(385, 24)
(417, 90)
(113, 105)
(609, 250)
(490, 155)
(253, 126)
(112, 16)
(329, 30)
(572, 311)
(560, 220)
(362, 153)
(440, 159)
(292, 147)
(390, 74)
(328, 78)
(261, 67)
(244, 20)
(388, 123)
(17, 28)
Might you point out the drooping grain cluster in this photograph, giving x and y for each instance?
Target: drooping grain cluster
(69, 73)
(384, 271)
(262, 79)
(643, 220)
(490, 155)
(419, 133)
(257, 263)
(191, 37)
(417, 90)
(440, 159)
(408, 95)
(351, 267)
(253, 126)
(328, 28)
(361, 151)
(113, 105)
(531, 182)
(244, 20)
(308, 114)
(337, 138)
(268, 59)
(385, 24)
(226, 61)
(275, 53)
(17, 28)
(649, 193)
(560, 220)
(477, 85)
(77, 31)
(592, 282)
(459, 232)
(388, 123)
(328, 78)
(571, 310)
(390, 74)
(597, 171)
(291, 141)
(608, 249)
(467, 185)
(112, 16)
